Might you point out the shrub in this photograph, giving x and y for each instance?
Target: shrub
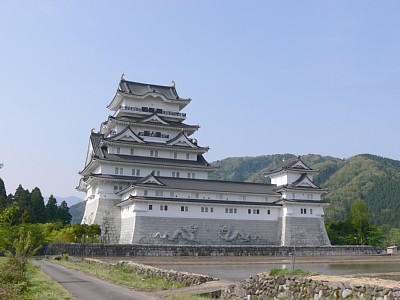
(281, 272)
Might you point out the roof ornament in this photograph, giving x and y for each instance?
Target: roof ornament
(173, 84)
(93, 130)
(298, 157)
(122, 76)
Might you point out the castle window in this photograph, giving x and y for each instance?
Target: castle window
(121, 171)
(177, 174)
(226, 210)
(202, 209)
(164, 207)
(173, 174)
(293, 195)
(159, 193)
(211, 209)
(188, 175)
(256, 211)
(193, 175)
(118, 150)
(249, 211)
(132, 151)
(311, 212)
(184, 208)
(145, 193)
(175, 155)
(235, 210)
(156, 153)
(187, 156)
(301, 210)
(171, 194)
(137, 172)
(133, 172)
(305, 210)
(150, 207)
(115, 188)
(268, 211)
(116, 170)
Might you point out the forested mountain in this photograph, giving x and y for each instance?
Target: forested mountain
(376, 180)
(77, 210)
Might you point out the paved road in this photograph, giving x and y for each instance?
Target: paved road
(85, 287)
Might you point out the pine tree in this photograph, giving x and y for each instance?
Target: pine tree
(63, 213)
(3, 195)
(37, 210)
(52, 209)
(21, 198)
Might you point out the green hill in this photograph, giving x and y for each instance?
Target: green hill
(371, 178)
(77, 210)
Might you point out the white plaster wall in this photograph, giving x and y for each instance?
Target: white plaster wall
(150, 102)
(195, 211)
(295, 211)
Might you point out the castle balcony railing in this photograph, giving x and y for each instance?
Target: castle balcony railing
(153, 110)
(153, 134)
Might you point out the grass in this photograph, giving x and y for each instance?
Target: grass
(281, 272)
(43, 287)
(122, 275)
(186, 297)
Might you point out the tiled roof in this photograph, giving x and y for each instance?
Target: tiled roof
(138, 120)
(141, 89)
(290, 165)
(200, 162)
(205, 201)
(217, 185)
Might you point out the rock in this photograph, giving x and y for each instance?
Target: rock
(346, 293)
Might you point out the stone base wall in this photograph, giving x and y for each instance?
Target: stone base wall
(305, 232)
(194, 231)
(170, 275)
(104, 213)
(263, 286)
(199, 250)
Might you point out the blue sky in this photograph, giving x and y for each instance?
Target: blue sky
(265, 77)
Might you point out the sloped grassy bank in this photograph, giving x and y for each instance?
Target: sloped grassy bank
(138, 276)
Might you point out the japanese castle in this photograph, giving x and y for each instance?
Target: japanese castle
(146, 182)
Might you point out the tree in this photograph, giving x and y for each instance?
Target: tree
(52, 209)
(63, 214)
(360, 219)
(37, 210)
(22, 199)
(93, 232)
(3, 195)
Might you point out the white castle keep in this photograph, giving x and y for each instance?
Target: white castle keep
(146, 182)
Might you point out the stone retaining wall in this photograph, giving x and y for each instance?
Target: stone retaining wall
(263, 286)
(182, 277)
(199, 250)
